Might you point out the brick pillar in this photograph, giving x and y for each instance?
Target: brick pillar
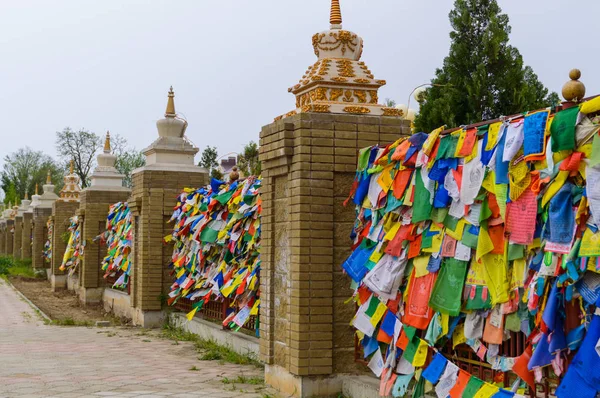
(26, 233)
(308, 162)
(152, 199)
(40, 233)
(17, 237)
(61, 212)
(2, 237)
(94, 206)
(10, 224)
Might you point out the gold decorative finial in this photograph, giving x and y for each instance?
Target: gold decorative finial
(48, 178)
(336, 13)
(107, 142)
(171, 103)
(234, 175)
(36, 188)
(26, 196)
(71, 167)
(574, 90)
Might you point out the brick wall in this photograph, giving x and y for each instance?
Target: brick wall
(9, 237)
(152, 200)
(40, 232)
(308, 163)
(17, 237)
(61, 212)
(26, 234)
(94, 207)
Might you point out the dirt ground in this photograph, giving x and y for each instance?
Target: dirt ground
(62, 306)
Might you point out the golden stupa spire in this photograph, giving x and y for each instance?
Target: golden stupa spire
(36, 189)
(26, 196)
(48, 178)
(336, 13)
(107, 142)
(71, 167)
(171, 103)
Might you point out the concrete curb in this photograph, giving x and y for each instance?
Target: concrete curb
(22, 296)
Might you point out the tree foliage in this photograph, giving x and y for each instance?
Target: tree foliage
(483, 76)
(248, 162)
(128, 161)
(24, 169)
(208, 160)
(81, 147)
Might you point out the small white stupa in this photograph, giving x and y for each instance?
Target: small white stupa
(24, 205)
(171, 151)
(35, 200)
(105, 176)
(48, 196)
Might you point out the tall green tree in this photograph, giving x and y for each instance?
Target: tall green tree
(80, 147)
(25, 168)
(248, 162)
(483, 76)
(208, 160)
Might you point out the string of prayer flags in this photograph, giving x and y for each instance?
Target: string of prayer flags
(118, 239)
(470, 235)
(75, 247)
(216, 253)
(47, 253)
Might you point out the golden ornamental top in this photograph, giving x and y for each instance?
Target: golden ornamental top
(48, 178)
(107, 142)
(171, 103)
(36, 188)
(71, 167)
(336, 13)
(574, 90)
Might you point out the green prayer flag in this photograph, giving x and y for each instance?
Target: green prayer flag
(451, 222)
(513, 322)
(448, 289)
(439, 214)
(478, 303)
(373, 304)
(410, 332)
(411, 349)
(472, 387)
(595, 157)
(486, 212)
(481, 130)
(515, 252)
(209, 235)
(563, 129)
(224, 197)
(363, 158)
(421, 204)
(419, 390)
(443, 148)
(469, 239)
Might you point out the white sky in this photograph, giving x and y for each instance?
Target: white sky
(107, 64)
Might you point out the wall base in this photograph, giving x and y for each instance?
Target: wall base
(302, 386)
(58, 282)
(148, 319)
(90, 295)
(237, 342)
(117, 302)
(73, 283)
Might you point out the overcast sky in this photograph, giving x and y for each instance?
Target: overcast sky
(107, 64)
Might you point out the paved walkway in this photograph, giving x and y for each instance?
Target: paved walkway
(49, 361)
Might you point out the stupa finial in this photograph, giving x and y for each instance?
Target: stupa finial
(107, 143)
(36, 188)
(171, 103)
(48, 178)
(71, 167)
(336, 15)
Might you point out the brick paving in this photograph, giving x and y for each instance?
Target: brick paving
(38, 360)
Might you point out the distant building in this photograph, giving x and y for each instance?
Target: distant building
(228, 164)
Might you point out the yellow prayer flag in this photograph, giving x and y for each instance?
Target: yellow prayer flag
(457, 234)
(496, 277)
(420, 355)
(392, 231)
(254, 310)
(445, 319)
(431, 139)
(191, 314)
(420, 264)
(486, 391)
(462, 134)
(484, 244)
(590, 244)
(493, 132)
(458, 337)
(378, 314)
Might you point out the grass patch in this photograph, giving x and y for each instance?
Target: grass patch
(12, 267)
(208, 349)
(255, 381)
(69, 322)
